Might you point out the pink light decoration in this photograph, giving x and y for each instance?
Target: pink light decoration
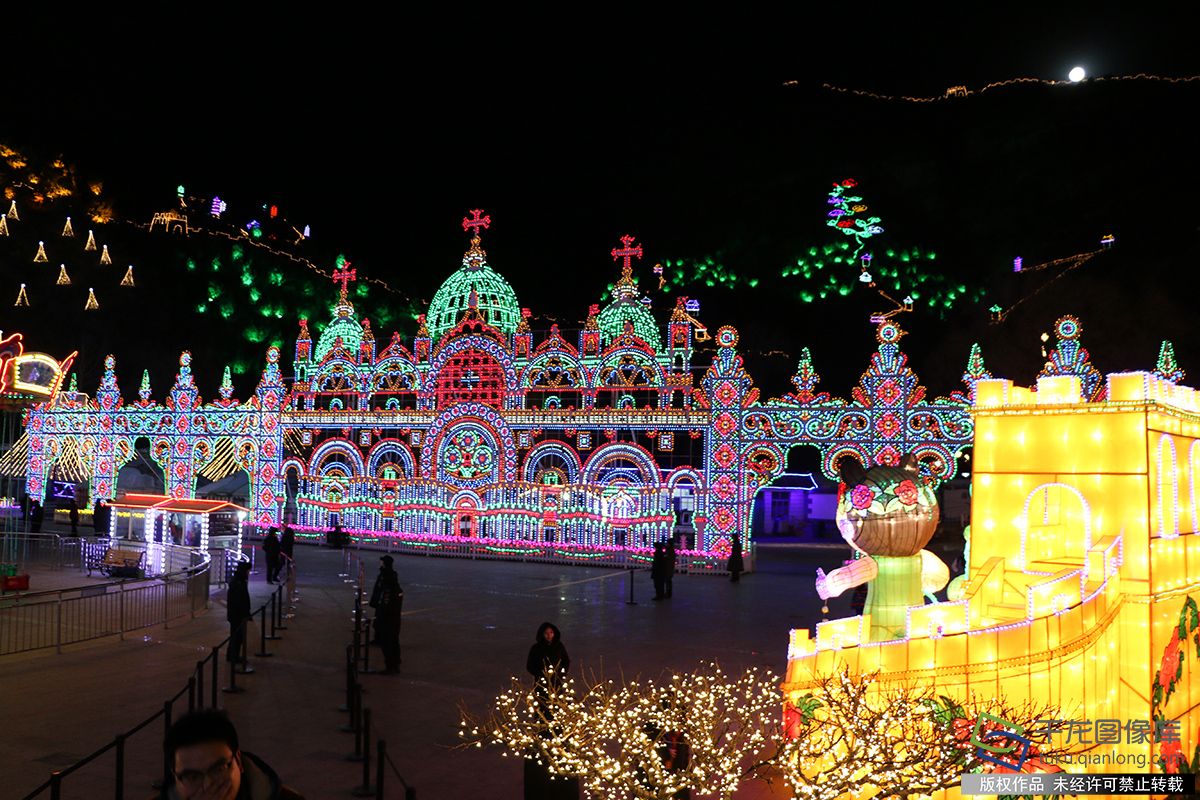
(628, 252)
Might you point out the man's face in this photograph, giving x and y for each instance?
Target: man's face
(208, 771)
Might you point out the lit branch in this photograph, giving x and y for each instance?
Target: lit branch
(702, 731)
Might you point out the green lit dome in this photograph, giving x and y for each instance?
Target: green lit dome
(344, 325)
(497, 302)
(612, 322)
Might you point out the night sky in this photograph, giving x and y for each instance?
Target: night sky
(571, 131)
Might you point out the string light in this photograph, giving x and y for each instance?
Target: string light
(3, 225)
(22, 298)
(105, 258)
(959, 92)
(701, 731)
(128, 279)
(40, 256)
(91, 242)
(68, 231)
(63, 278)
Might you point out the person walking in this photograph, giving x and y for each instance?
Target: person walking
(74, 518)
(207, 764)
(658, 569)
(736, 566)
(669, 566)
(388, 600)
(271, 549)
(36, 513)
(237, 612)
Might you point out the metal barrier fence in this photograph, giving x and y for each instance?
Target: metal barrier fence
(360, 723)
(207, 671)
(685, 564)
(37, 620)
(41, 549)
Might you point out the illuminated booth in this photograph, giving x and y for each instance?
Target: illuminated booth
(156, 520)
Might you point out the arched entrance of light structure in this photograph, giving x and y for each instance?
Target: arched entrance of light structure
(466, 515)
(1052, 526)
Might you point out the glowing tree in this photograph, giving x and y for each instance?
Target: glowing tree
(128, 279)
(851, 737)
(68, 231)
(105, 258)
(40, 256)
(92, 304)
(1167, 367)
(3, 225)
(702, 731)
(63, 278)
(22, 298)
(91, 242)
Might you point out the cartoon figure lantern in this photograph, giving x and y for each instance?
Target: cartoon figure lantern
(888, 515)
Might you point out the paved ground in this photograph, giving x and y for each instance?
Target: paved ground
(467, 627)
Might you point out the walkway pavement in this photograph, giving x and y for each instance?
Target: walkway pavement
(467, 628)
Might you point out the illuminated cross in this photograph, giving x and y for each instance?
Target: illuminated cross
(344, 276)
(627, 252)
(476, 222)
(469, 380)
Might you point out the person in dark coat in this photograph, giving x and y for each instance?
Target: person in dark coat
(669, 566)
(206, 763)
(271, 549)
(548, 651)
(237, 611)
(36, 513)
(287, 542)
(736, 567)
(388, 600)
(658, 570)
(97, 517)
(74, 518)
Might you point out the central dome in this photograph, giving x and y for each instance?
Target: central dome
(613, 318)
(496, 300)
(345, 327)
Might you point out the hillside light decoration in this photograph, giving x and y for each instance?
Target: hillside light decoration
(888, 515)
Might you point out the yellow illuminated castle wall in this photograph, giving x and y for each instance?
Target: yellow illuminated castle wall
(1083, 553)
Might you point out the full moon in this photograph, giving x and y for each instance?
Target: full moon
(1077, 74)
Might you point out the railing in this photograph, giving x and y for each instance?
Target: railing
(545, 553)
(38, 620)
(43, 549)
(196, 695)
(360, 724)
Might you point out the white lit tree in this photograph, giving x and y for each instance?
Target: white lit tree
(701, 731)
(899, 740)
(707, 733)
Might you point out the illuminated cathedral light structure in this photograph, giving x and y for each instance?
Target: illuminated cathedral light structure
(579, 443)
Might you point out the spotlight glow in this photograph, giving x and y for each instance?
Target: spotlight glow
(1076, 74)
